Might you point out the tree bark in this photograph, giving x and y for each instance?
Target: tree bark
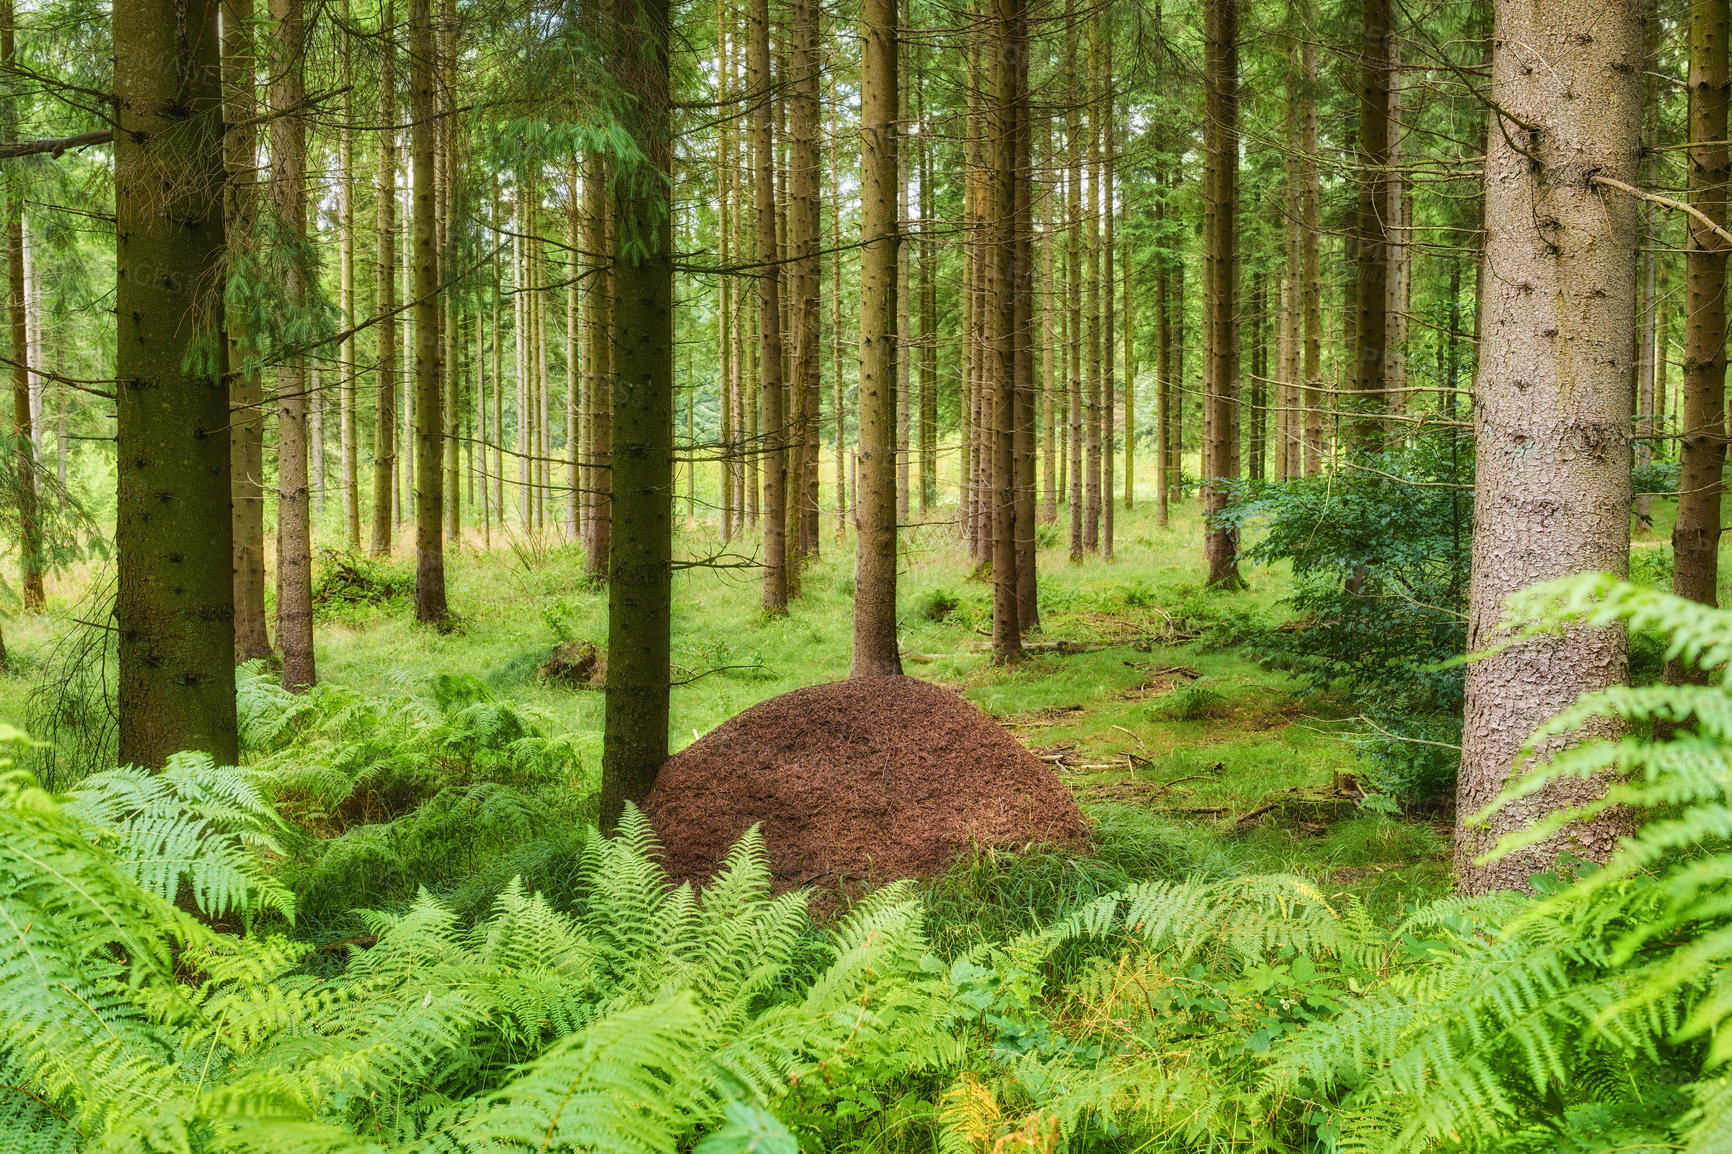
(876, 652)
(246, 391)
(1221, 269)
(1552, 407)
(1371, 234)
(385, 292)
(294, 504)
(598, 361)
(1702, 407)
(1311, 244)
(640, 580)
(24, 450)
(430, 604)
(174, 611)
(1001, 244)
(775, 455)
(1021, 287)
(349, 445)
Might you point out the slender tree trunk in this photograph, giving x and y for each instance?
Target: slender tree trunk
(804, 229)
(430, 605)
(1164, 391)
(174, 610)
(1552, 408)
(1371, 257)
(1001, 246)
(1109, 286)
(876, 652)
(385, 306)
(1221, 265)
(1050, 324)
(1702, 409)
(1073, 283)
(927, 251)
(294, 507)
(350, 445)
(640, 581)
(600, 295)
(1091, 239)
(246, 391)
(23, 424)
(1311, 254)
(775, 456)
(836, 341)
(1021, 286)
(450, 326)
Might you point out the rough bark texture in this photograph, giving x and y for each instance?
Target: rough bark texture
(1221, 286)
(1702, 408)
(1311, 245)
(1552, 406)
(876, 652)
(803, 231)
(246, 391)
(174, 612)
(1371, 240)
(348, 444)
(775, 456)
(1000, 255)
(294, 489)
(640, 579)
(430, 607)
(385, 294)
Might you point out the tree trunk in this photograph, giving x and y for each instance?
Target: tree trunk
(430, 606)
(1221, 287)
(1371, 233)
(803, 231)
(348, 442)
(775, 456)
(1073, 283)
(174, 611)
(1001, 243)
(1109, 287)
(1702, 407)
(1552, 408)
(294, 504)
(385, 305)
(875, 646)
(1021, 286)
(246, 391)
(599, 293)
(640, 581)
(24, 451)
(1311, 245)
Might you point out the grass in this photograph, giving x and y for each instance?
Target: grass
(1224, 740)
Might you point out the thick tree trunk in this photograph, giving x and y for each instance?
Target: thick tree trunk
(1221, 287)
(294, 504)
(385, 303)
(1552, 405)
(246, 391)
(430, 606)
(875, 646)
(640, 581)
(174, 611)
(1702, 407)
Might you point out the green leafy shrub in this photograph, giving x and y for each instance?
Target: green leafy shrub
(1380, 557)
(345, 579)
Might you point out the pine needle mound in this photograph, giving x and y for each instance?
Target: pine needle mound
(865, 780)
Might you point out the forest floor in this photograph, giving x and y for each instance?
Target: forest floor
(1149, 701)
